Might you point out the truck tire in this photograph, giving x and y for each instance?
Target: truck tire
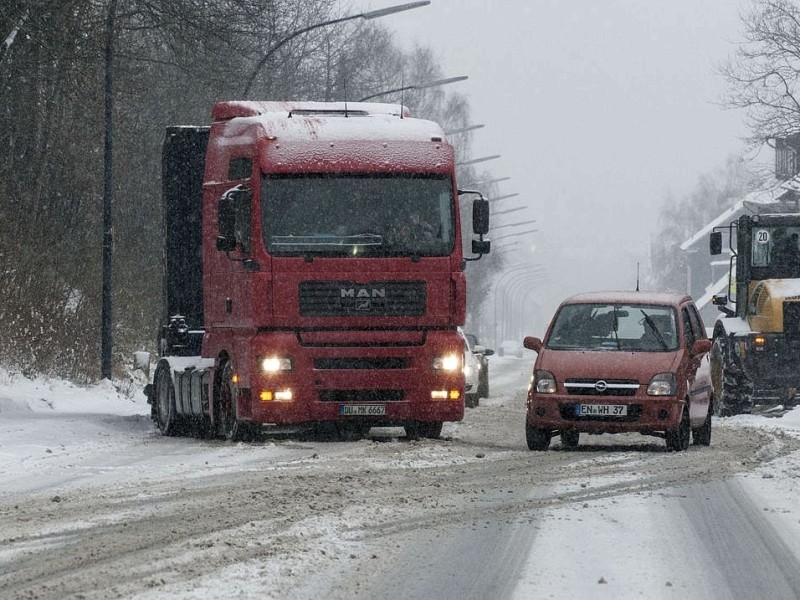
(226, 420)
(678, 438)
(471, 400)
(538, 439)
(424, 429)
(731, 386)
(164, 404)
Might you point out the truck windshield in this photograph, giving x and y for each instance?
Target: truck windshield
(355, 214)
(614, 327)
(777, 251)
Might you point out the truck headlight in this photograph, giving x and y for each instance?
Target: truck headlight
(662, 384)
(276, 364)
(544, 382)
(447, 362)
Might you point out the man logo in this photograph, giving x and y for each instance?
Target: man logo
(362, 298)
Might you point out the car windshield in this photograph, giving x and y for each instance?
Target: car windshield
(614, 327)
(355, 214)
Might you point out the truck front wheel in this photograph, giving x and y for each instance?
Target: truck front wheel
(424, 429)
(164, 394)
(226, 420)
(731, 386)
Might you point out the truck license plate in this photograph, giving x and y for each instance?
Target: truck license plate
(601, 410)
(366, 410)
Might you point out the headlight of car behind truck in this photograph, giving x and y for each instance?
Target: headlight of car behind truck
(545, 382)
(662, 384)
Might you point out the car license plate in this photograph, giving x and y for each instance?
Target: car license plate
(601, 410)
(366, 410)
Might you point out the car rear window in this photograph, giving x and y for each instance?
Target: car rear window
(614, 327)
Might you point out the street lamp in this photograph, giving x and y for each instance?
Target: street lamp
(512, 225)
(498, 198)
(510, 210)
(515, 234)
(416, 86)
(477, 160)
(477, 184)
(463, 129)
(523, 271)
(370, 14)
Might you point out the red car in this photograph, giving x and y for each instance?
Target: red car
(614, 362)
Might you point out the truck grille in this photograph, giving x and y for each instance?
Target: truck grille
(374, 299)
(602, 387)
(361, 395)
(360, 363)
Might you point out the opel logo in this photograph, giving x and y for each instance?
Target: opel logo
(601, 386)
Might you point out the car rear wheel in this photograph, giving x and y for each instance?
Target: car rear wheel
(678, 438)
(538, 439)
(569, 439)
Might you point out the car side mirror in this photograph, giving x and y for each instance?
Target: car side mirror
(715, 243)
(700, 347)
(532, 343)
(488, 352)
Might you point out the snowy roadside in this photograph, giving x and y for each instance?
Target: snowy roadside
(56, 437)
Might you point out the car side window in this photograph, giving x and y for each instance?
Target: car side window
(697, 323)
(689, 332)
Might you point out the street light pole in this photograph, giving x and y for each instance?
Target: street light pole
(371, 14)
(416, 86)
(106, 337)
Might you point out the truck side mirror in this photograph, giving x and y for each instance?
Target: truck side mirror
(715, 243)
(241, 231)
(480, 216)
(226, 223)
(233, 219)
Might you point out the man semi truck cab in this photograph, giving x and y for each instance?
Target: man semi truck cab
(757, 342)
(314, 271)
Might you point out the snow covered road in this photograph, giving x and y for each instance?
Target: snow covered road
(95, 504)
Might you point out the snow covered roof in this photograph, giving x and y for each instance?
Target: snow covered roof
(750, 203)
(325, 121)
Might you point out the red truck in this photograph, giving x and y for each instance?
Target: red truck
(314, 272)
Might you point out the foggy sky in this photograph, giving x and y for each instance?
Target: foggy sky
(599, 110)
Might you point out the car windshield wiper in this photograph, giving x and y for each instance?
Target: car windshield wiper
(616, 328)
(654, 329)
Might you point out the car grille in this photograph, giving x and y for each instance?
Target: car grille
(373, 299)
(601, 387)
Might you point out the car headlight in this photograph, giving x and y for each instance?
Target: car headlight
(662, 384)
(447, 362)
(276, 364)
(544, 382)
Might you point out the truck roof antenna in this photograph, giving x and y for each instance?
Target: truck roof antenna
(637, 276)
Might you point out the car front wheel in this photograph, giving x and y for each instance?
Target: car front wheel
(538, 439)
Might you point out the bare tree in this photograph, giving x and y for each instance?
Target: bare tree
(764, 74)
